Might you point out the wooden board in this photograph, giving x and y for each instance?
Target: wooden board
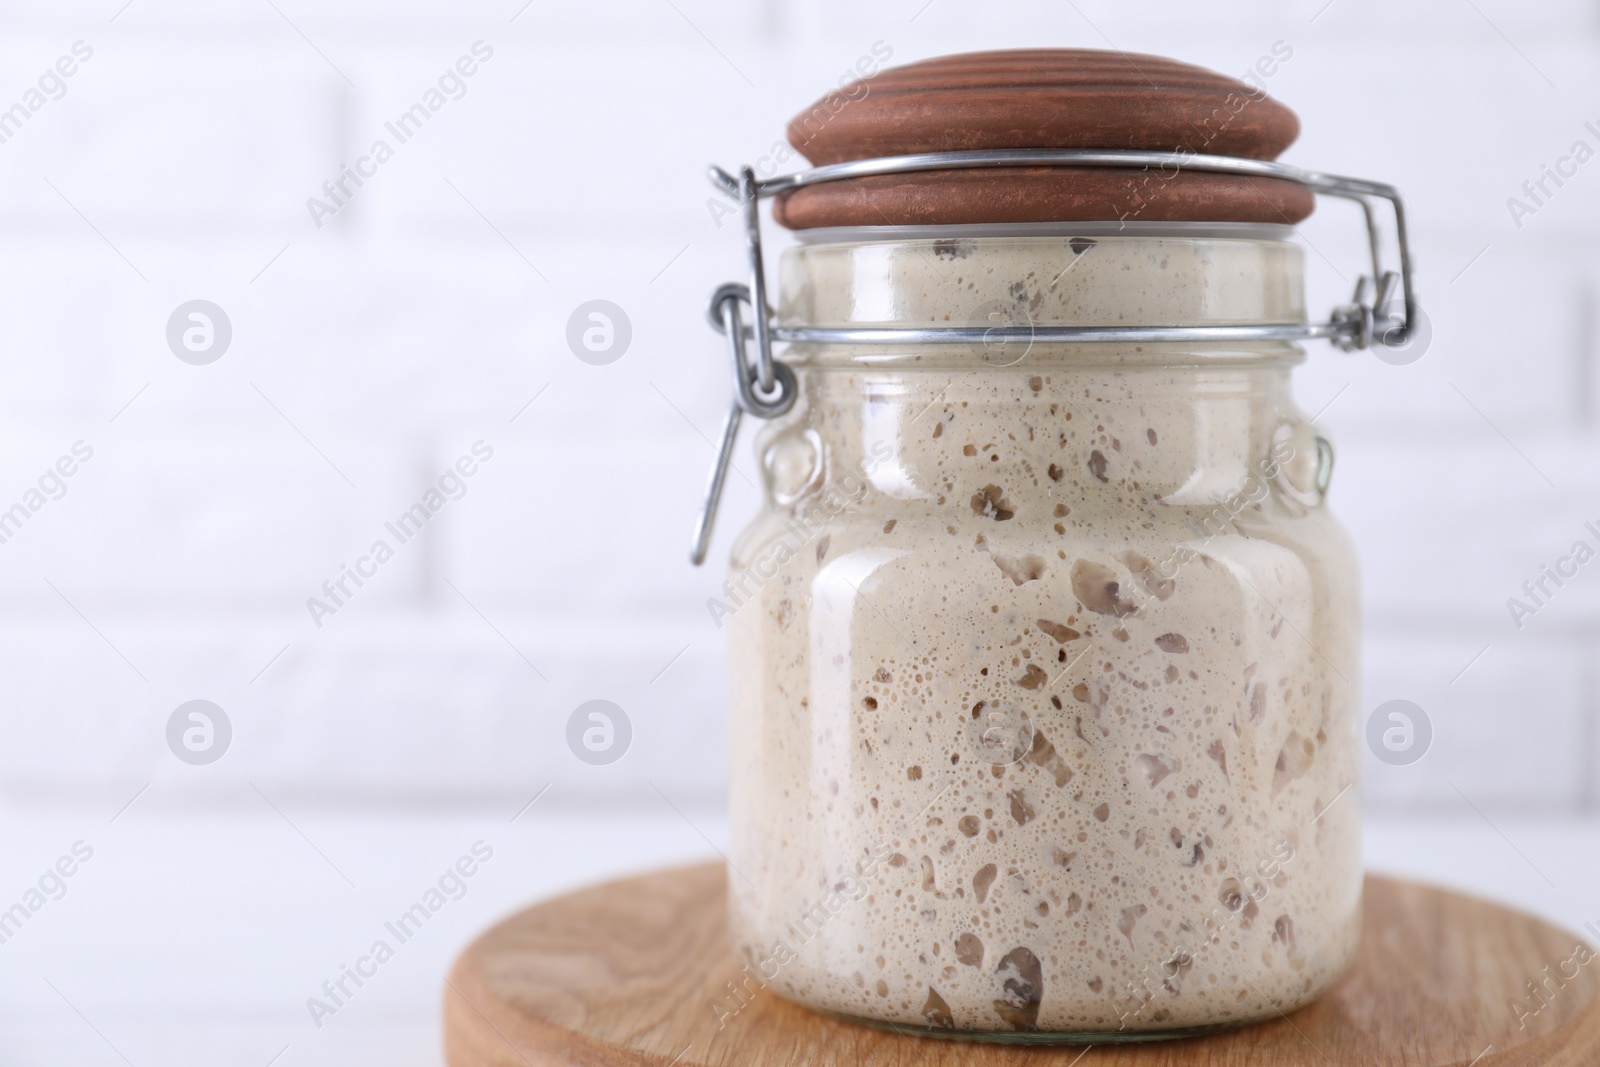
(625, 974)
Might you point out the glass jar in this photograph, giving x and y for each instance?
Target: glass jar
(1044, 656)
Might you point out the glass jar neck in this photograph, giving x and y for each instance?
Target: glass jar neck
(1190, 423)
(1077, 274)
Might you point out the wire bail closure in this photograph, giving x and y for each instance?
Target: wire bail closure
(1381, 311)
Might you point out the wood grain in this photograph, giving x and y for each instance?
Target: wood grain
(1042, 194)
(1044, 98)
(625, 974)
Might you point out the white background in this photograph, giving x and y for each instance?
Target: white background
(369, 353)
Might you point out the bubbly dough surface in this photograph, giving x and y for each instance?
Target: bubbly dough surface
(1043, 701)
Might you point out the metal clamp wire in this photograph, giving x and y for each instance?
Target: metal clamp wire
(749, 397)
(750, 196)
(1344, 327)
(767, 388)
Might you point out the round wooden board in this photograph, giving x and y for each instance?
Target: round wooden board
(626, 973)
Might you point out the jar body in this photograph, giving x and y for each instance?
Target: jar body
(1044, 664)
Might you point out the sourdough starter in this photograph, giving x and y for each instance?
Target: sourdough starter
(1044, 664)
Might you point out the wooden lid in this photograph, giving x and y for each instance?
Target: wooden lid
(1044, 98)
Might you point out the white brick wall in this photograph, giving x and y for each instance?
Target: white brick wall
(409, 327)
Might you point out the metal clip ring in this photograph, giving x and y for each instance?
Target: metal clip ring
(726, 319)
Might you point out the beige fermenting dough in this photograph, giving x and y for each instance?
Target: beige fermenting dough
(1044, 664)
